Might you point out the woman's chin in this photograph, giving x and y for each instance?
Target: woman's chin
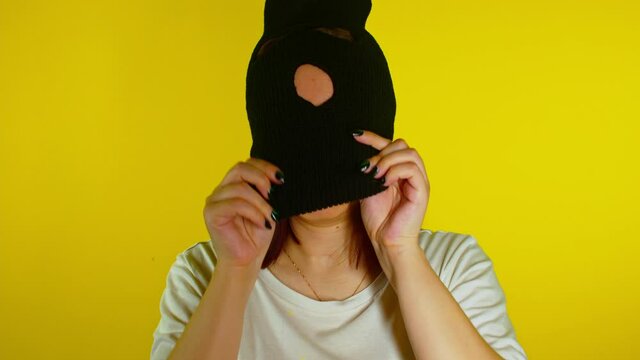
(326, 213)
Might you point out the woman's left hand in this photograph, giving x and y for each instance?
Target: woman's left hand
(393, 217)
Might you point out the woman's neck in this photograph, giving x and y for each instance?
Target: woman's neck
(323, 242)
(326, 239)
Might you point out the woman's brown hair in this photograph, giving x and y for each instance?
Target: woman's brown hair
(360, 248)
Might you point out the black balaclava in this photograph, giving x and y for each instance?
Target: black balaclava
(314, 146)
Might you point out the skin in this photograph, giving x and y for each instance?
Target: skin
(436, 325)
(322, 256)
(313, 84)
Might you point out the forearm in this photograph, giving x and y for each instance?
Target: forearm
(436, 325)
(215, 328)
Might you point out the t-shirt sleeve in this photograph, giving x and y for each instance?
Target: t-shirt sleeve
(179, 300)
(476, 288)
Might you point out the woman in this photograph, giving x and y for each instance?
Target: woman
(331, 263)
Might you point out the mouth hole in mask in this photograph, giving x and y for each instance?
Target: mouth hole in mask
(312, 83)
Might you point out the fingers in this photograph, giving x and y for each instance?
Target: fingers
(232, 207)
(258, 173)
(373, 139)
(244, 191)
(408, 171)
(391, 155)
(396, 145)
(381, 164)
(273, 172)
(250, 182)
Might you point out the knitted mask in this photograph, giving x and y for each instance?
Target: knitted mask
(313, 145)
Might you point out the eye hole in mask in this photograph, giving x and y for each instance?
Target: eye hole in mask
(337, 32)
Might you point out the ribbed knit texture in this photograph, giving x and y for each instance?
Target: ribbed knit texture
(313, 146)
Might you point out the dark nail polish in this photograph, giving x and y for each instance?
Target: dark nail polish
(267, 224)
(364, 165)
(280, 176)
(382, 180)
(274, 215)
(269, 192)
(375, 171)
(357, 132)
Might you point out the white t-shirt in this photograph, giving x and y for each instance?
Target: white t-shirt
(280, 323)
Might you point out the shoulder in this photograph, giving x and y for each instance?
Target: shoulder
(186, 282)
(468, 272)
(451, 253)
(194, 266)
(201, 256)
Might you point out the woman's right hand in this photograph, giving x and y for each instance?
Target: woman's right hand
(237, 212)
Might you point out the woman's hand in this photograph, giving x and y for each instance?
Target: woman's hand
(393, 218)
(238, 216)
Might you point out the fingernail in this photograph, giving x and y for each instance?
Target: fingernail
(280, 176)
(267, 224)
(357, 132)
(269, 192)
(382, 180)
(375, 171)
(364, 165)
(274, 215)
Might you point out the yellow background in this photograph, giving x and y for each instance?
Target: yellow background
(118, 118)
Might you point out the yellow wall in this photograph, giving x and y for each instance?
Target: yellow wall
(118, 118)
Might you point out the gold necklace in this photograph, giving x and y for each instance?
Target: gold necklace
(307, 281)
